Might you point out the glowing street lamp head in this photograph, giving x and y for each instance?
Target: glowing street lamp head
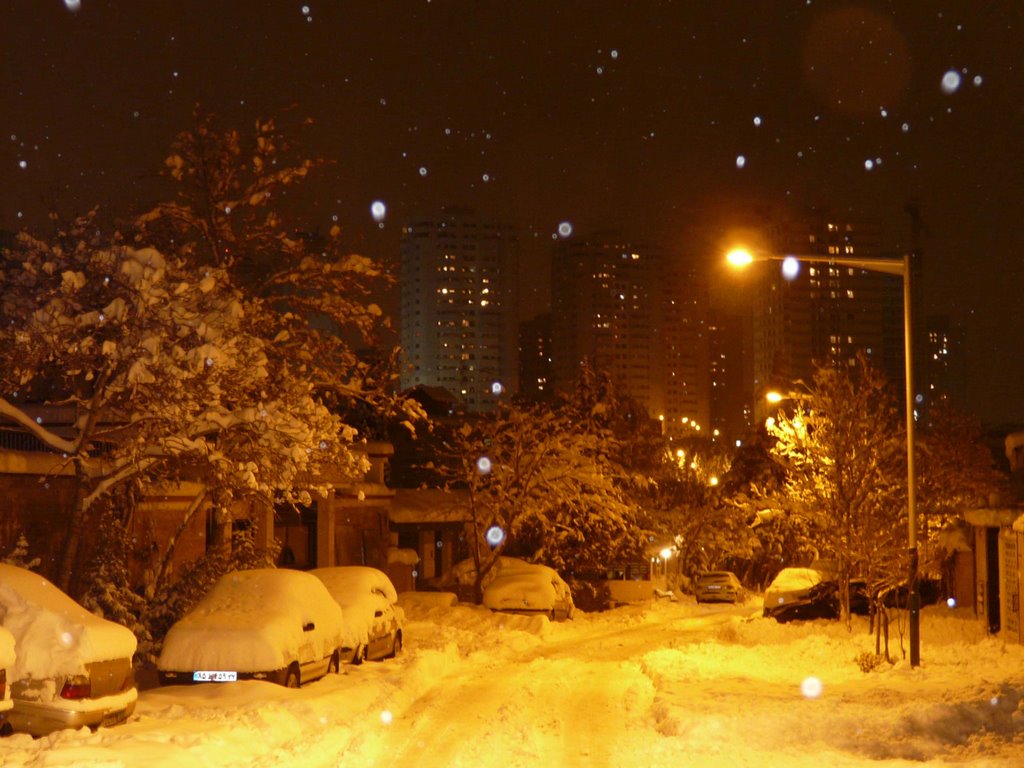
(773, 397)
(739, 257)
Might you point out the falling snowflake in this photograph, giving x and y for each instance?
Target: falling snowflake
(741, 161)
(811, 687)
(950, 81)
(378, 210)
(495, 535)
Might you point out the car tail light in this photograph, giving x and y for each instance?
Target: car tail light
(77, 687)
(3, 684)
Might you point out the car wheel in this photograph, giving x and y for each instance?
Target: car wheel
(334, 665)
(396, 645)
(6, 729)
(291, 679)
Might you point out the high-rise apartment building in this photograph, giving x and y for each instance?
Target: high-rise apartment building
(535, 373)
(459, 308)
(730, 369)
(824, 314)
(639, 315)
(941, 368)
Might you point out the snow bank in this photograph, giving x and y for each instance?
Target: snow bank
(53, 634)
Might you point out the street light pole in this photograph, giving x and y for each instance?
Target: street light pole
(914, 598)
(740, 258)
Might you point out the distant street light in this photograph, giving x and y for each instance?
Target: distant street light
(740, 258)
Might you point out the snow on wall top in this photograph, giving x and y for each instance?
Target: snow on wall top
(53, 634)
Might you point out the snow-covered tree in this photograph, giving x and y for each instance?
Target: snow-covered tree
(955, 470)
(543, 488)
(129, 364)
(236, 207)
(844, 450)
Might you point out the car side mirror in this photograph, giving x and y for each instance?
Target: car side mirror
(308, 626)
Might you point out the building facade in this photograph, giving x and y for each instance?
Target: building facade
(535, 363)
(458, 279)
(824, 314)
(639, 315)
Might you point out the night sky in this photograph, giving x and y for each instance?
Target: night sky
(661, 120)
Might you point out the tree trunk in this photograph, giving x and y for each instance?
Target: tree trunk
(67, 574)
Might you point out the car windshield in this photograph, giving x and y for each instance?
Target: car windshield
(717, 577)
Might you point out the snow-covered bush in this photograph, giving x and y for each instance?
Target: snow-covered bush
(19, 556)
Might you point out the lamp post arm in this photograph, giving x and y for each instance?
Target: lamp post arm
(888, 266)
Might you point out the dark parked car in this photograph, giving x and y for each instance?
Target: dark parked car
(802, 596)
(800, 593)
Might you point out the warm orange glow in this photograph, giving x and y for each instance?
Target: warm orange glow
(740, 257)
(773, 397)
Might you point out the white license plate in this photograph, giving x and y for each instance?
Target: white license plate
(211, 676)
(113, 718)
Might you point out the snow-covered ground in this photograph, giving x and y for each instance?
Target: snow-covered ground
(666, 684)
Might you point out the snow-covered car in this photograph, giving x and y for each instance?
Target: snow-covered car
(7, 658)
(516, 586)
(273, 624)
(719, 587)
(71, 667)
(801, 593)
(373, 621)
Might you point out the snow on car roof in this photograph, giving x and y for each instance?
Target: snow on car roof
(252, 621)
(520, 588)
(53, 634)
(796, 578)
(348, 582)
(360, 591)
(6, 649)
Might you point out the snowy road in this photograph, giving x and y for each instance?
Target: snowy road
(658, 685)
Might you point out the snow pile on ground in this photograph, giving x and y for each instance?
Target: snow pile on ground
(662, 684)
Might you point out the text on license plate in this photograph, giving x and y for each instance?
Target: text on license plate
(213, 676)
(113, 718)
